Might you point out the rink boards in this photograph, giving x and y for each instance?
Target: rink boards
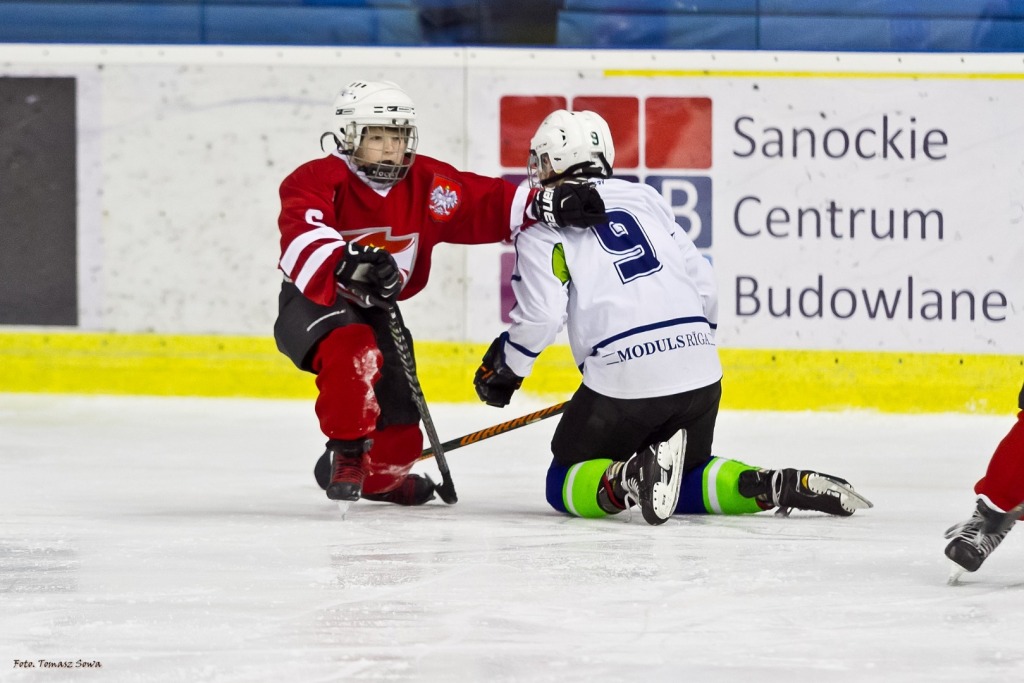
(862, 213)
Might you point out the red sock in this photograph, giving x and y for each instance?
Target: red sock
(395, 450)
(1003, 483)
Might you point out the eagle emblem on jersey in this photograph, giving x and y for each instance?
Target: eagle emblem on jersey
(401, 247)
(445, 197)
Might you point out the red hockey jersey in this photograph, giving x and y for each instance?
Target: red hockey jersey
(324, 204)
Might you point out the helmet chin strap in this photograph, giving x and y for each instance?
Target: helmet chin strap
(337, 142)
(381, 174)
(381, 171)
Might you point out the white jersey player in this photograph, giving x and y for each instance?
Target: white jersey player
(641, 308)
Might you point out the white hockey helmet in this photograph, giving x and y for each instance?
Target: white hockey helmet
(364, 104)
(570, 143)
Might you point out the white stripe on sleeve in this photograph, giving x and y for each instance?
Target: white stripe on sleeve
(291, 254)
(313, 263)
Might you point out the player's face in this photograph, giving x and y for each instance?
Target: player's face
(383, 145)
(539, 169)
(545, 167)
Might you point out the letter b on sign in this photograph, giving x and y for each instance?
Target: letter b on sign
(690, 198)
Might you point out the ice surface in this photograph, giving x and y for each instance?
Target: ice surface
(185, 540)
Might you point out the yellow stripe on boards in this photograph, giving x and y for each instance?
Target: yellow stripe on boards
(186, 365)
(163, 365)
(889, 382)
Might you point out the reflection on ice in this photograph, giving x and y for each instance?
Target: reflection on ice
(37, 567)
(202, 550)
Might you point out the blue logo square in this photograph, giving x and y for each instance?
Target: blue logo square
(690, 197)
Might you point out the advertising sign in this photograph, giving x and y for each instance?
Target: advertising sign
(850, 211)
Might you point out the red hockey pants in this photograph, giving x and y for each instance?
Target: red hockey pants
(348, 363)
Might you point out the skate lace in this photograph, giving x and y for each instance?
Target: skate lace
(966, 530)
(776, 494)
(971, 532)
(347, 470)
(986, 543)
(631, 498)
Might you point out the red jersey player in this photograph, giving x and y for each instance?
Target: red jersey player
(366, 218)
(1000, 503)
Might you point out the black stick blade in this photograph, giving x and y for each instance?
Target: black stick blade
(446, 489)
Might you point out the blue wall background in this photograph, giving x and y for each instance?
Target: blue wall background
(833, 25)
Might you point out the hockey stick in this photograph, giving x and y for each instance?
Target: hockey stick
(446, 489)
(322, 471)
(497, 429)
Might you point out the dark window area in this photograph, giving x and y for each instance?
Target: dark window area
(38, 221)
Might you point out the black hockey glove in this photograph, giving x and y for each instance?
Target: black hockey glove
(366, 270)
(574, 203)
(494, 381)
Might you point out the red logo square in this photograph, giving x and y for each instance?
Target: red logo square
(677, 133)
(520, 116)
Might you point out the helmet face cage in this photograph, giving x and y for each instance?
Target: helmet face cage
(538, 169)
(570, 144)
(363, 106)
(385, 172)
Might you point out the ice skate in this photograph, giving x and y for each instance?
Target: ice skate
(348, 472)
(415, 489)
(790, 489)
(974, 540)
(650, 479)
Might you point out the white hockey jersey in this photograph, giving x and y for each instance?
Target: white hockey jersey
(639, 299)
